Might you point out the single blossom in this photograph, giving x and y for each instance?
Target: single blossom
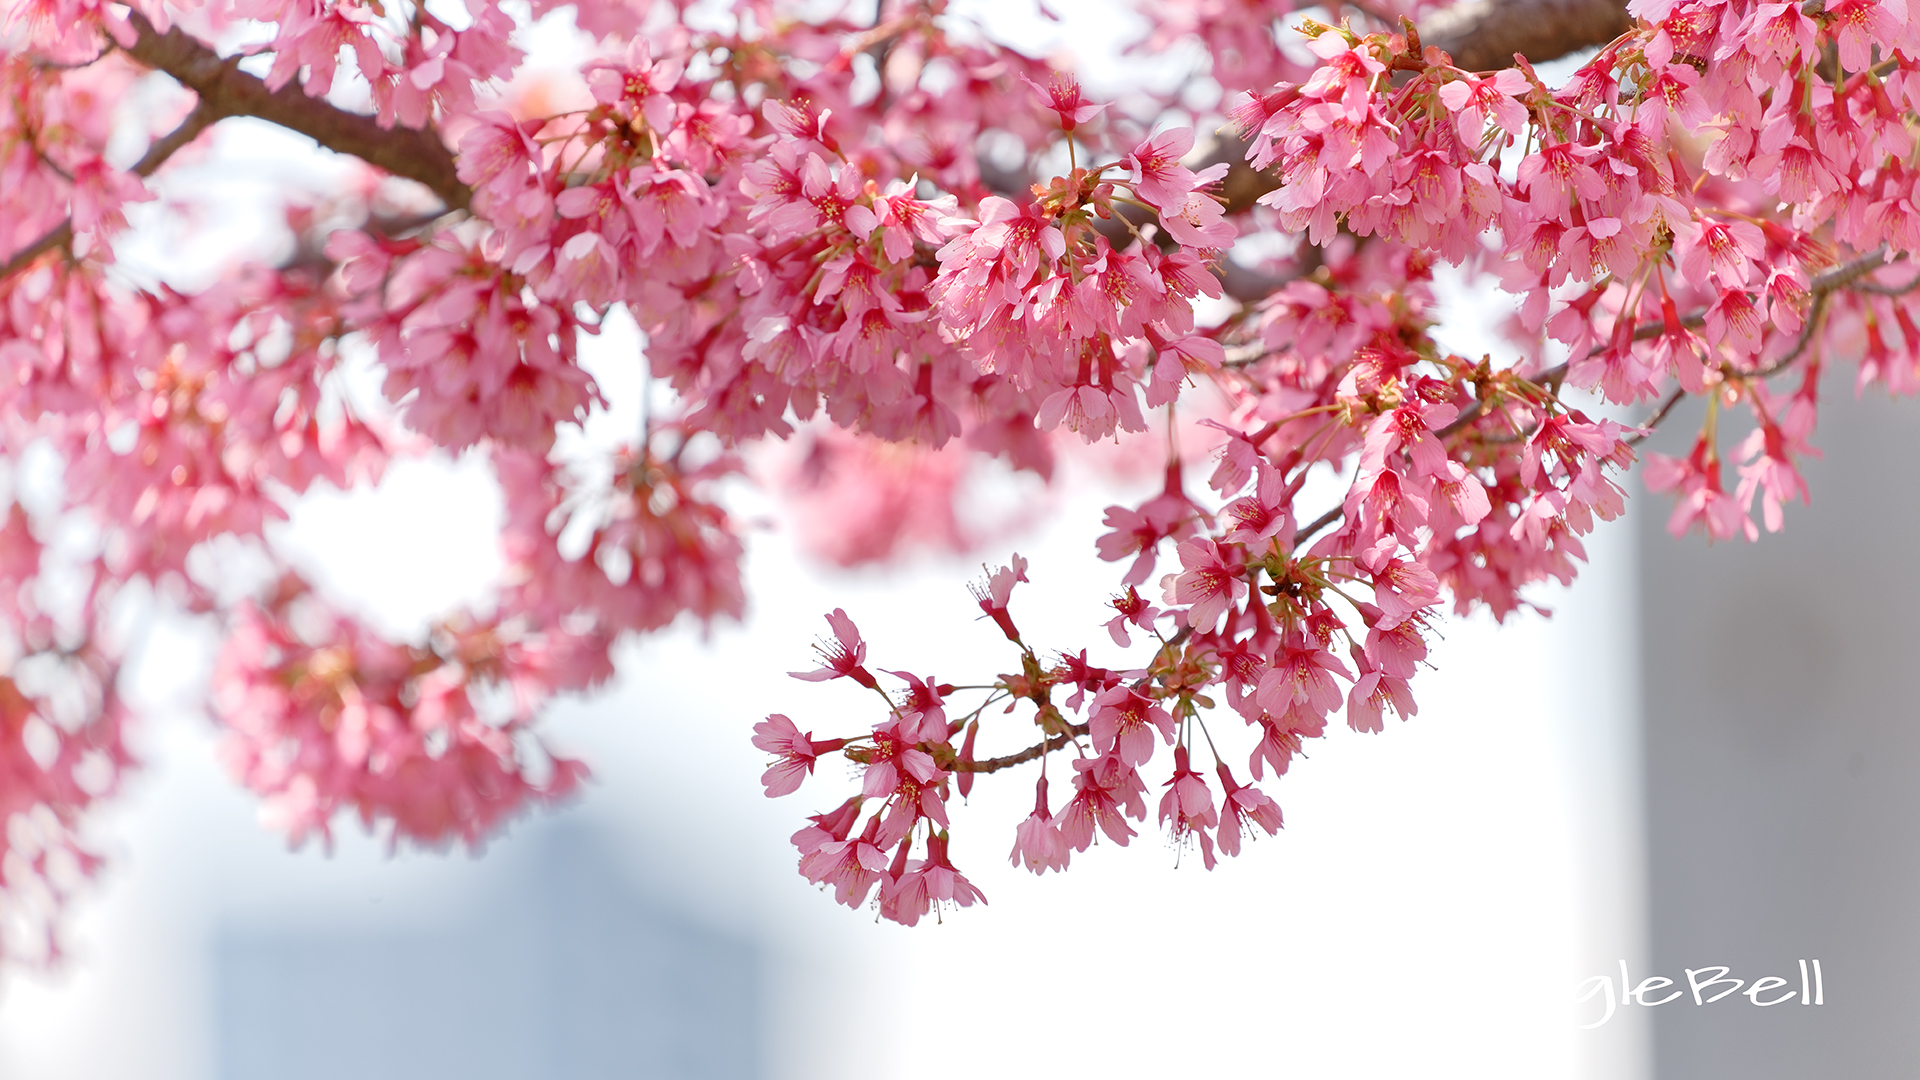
(994, 596)
(1187, 807)
(1242, 808)
(1123, 723)
(796, 752)
(1210, 583)
(1062, 96)
(843, 656)
(1132, 610)
(1037, 842)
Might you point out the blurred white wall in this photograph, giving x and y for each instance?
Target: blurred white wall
(1783, 776)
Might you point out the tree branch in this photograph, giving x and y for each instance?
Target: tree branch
(200, 119)
(1847, 275)
(59, 236)
(225, 90)
(1480, 35)
(1021, 758)
(163, 148)
(1483, 35)
(1321, 522)
(1057, 741)
(1660, 414)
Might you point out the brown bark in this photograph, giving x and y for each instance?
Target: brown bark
(1482, 35)
(225, 90)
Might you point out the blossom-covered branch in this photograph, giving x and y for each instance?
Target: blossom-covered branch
(225, 90)
(1469, 480)
(811, 221)
(1485, 35)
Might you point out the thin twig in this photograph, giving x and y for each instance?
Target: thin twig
(1846, 275)
(1054, 742)
(1840, 277)
(1816, 315)
(200, 119)
(1878, 289)
(1319, 523)
(59, 236)
(163, 148)
(1666, 407)
(1024, 756)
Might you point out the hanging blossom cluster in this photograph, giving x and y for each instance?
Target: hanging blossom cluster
(888, 236)
(1723, 196)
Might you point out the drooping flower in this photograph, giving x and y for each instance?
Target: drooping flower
(1037, 842)
(1187, 807)
(1241, 808)
(1106, 792)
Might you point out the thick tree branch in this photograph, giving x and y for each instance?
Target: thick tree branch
(227, 91)
(224, 90)
(1482, 35)
(1478, 34)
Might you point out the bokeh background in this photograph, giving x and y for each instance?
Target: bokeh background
(1435, 896)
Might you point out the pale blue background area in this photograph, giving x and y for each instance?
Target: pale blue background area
(561, 970)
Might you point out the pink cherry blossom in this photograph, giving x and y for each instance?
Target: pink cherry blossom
(998, 592)
(1243, 807)
(795, 750)
(1209, 583)
(1133, 610)
(1187, 807)
(843, 656)
(1106, 793)
(1037, 842)
(1062, 96)
(1123, 722)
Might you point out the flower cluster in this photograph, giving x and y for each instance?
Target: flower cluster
(1708, 203)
